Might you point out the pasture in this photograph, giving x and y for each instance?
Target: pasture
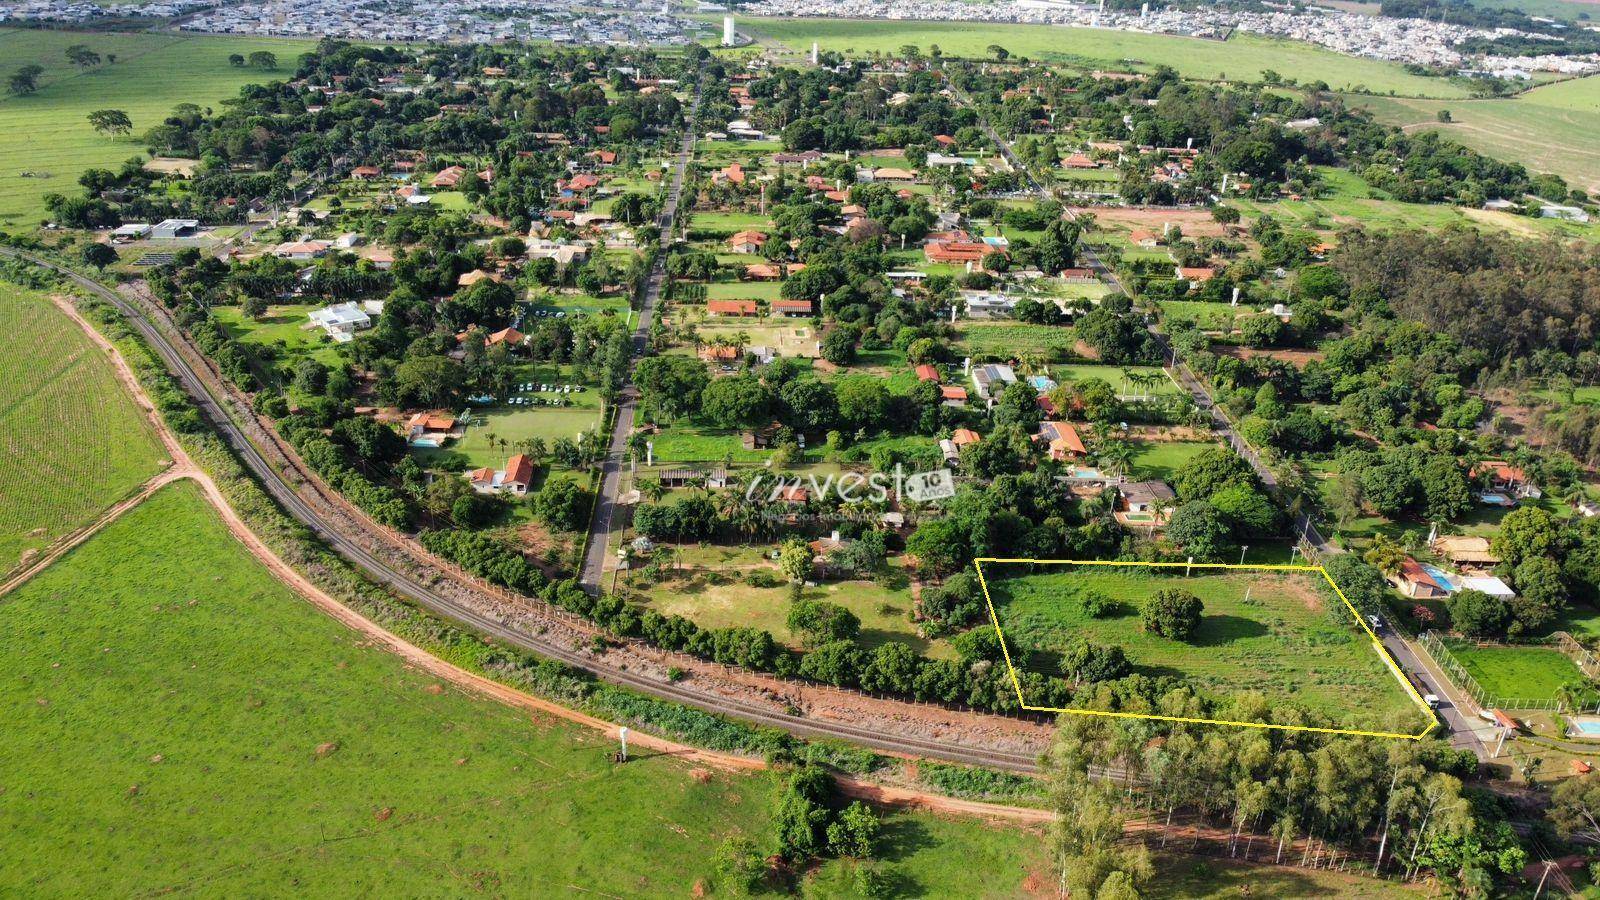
(46, 134)
(1282, 634)
(1243, 56)
(194, 768)
(72, 442)
(1550, 128)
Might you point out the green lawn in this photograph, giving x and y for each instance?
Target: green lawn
(1115, 376)
(1243, 56)
(282, 332)
(191, 726)
(1283, 641)
(516, 424)
(686, 442)
(1527, 673)
(742, 290)
(72, 442)
(47, 133)
(1160, 460)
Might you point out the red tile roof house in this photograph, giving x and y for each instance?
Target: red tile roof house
(733, 174)
(515, 478)
(794, 309)
(926, 372)
(1195, 274)
(958, 252)
(732, 308)
(1415, 582)
(1063, 440)
(953, 395)
(448, 178)
(363, 173)
(747, 242)
(719, 354)
(961, 437)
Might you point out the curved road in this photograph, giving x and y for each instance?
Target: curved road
(441, 605)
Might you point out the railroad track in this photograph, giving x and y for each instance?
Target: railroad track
(440, 605)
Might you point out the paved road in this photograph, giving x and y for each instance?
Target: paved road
(423, 595)
(604, 521)
(1465, 730)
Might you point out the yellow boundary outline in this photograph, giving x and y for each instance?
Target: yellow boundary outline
(1377, 645)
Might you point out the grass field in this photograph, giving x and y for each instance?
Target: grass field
(713, 593)
(1528, 673)
(1113, 375)
(1548, 129)
(1010, 340)
(1284, 641)
(1161, 459)
(516, 424)
(71, 440)
(47, 133)
(194, 768)
(1243, 56)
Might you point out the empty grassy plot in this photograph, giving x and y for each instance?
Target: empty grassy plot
(1014, 340)
(281, 335)
(45, 138)
(1527, 673)
(1283, 634)
(72, 442)
(739, 587)
(502, 429)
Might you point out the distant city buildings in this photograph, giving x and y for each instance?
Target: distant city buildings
(614, 22)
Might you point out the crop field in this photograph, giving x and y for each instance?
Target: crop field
(193, 768)
(1548, 129)
(152, 74)
(1243, 56)
(1278, 633)
(71, 440)
(1528, 673)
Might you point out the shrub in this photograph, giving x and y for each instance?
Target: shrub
(1172, 613)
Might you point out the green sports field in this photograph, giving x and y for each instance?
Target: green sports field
(46, 133)
(176, 732)
(1243, 56)
(1527, 673)
(72, 442)
(1260, 631)
(1551, 128)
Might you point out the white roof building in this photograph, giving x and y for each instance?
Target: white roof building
(341, 321)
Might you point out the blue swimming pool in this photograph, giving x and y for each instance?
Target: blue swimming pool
(1440, 577)
(1583, 726)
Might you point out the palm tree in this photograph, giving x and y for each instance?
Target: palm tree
(1116, 456)
(653, 489)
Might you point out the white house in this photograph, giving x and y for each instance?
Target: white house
(991, 378)
(341, 321)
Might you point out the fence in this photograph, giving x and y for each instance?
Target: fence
(1447, 662)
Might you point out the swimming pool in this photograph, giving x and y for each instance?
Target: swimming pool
(1583, 727)
(1440, 577)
